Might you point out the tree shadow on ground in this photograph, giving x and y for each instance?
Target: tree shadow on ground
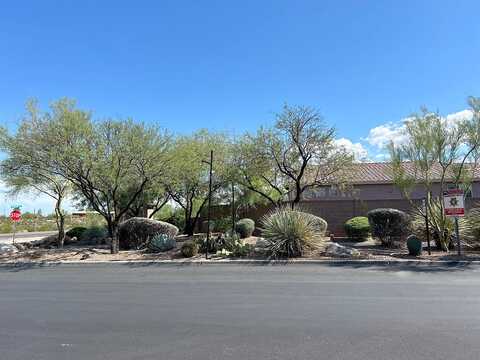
(418, 267)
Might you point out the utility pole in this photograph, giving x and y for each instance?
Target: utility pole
(233, 209)
(209, 204)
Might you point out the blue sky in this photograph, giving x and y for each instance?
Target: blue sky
(229, 65)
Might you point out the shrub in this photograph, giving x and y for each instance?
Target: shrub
(161, 243)
(387, 225)
(357, 228)
(223, 224)
(245, 227)
(94, 235)
(436, 221)
(414, 245)
(189, 249)
(469, 226)
(290, 232)
(76, 232)
(135, 233)
(205, 226)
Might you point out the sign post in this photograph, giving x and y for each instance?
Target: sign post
(454, 206)
(15, 216)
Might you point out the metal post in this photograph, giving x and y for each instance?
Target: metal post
(14, 231)
(459, 247)
(209, 204)
(427, 226)
(233, 209)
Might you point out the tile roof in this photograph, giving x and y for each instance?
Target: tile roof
(382, 173)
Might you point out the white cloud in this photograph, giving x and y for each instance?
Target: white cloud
(356, 149)
(382, 135)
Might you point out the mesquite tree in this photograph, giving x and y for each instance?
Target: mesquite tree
(102, 160)
(24, 171)
(297, 154)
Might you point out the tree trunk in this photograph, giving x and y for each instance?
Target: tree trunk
(113, 233)
(189, 226)
(60, 220)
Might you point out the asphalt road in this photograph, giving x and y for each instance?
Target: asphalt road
(25, 236)
(230, 312)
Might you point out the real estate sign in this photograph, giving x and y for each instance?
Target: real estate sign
(453, 203)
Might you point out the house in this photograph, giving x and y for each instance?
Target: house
(371, 186)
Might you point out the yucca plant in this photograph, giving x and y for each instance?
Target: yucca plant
(289, 233)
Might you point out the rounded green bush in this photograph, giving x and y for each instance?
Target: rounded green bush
(135, 233)
(414, 245)
(161, 243)
(357, 228)
(94, 235)
(388, 225)
(189, 249)
(245, 227)
(76, 231)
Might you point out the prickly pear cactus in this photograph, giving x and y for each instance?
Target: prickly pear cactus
(161, 242)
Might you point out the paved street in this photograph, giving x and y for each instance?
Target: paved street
(25, 236)
(239, 312)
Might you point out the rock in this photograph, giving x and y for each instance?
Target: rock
(335, 249)
(7, 249)
(19, 246)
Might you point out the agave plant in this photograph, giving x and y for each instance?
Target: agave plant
(289, 233)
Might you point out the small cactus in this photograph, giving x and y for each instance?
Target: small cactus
(161, 243)
(414, 245)
(189, 249)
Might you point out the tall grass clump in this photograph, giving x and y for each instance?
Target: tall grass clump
(289, 233)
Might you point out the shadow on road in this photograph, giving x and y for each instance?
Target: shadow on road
(415, 267)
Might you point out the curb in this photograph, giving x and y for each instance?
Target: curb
(365, 262)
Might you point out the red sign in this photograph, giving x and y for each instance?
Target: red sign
(16, 215)
(453, 202)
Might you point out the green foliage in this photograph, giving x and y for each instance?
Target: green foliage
(471, 226)
(206, 225)
(245, 227)
(94, 235)
(223, 224)
(414, 245)
(189, 249)
(290, 233)
(135, 233)
(76, 232)
(388, 225)
(357, 228)
(161, 243)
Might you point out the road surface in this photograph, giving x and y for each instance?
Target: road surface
(25, 236)
(126, 312)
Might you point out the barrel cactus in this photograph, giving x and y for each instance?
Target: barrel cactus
(161, 243)
(189, 249)
(414, 245)
(245, 227)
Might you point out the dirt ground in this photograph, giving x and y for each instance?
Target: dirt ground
(369, 249)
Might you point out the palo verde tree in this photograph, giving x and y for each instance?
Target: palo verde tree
(297, 154)
(24, 171)
(109, 163)
(188, 179)
(437, 153)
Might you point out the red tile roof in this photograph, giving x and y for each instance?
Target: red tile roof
(382, 173)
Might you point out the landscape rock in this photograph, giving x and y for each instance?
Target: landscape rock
(7, 249)
(335, 249)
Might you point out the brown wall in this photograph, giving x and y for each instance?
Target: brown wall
(337, 210)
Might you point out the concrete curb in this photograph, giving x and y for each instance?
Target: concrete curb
(365, 262)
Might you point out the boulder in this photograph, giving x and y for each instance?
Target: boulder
(261, 246)
(335, 249)
(7, 249)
